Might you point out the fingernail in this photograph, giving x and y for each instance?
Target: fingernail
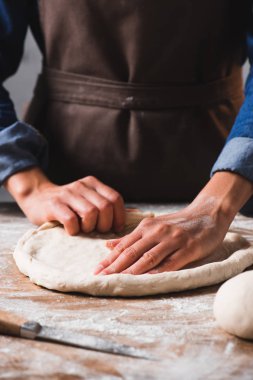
(109, 244)
(104, 273)
(98, 269)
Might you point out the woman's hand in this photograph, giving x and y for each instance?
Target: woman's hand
(170, 242)
(86, 204)
(165, 243)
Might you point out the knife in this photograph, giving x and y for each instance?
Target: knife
(15, 325)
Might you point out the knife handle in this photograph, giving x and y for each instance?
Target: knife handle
(10, 323)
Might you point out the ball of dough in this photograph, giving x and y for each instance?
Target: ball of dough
(233, 305)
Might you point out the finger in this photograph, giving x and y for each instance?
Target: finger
(105, 209)
(125, 242)
(129, 256)
(87, 212)
(119, 214)
(172, 263)
(150, 259)
(111, 244)
(65, 216)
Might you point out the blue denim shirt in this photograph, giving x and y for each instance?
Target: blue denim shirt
(21, 146)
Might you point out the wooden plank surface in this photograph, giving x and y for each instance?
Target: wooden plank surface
(179, 329)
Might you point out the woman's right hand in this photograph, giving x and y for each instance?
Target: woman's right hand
(86, 204)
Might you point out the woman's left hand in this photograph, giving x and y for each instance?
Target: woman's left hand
(168, 242)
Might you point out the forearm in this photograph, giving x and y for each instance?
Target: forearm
(224, 195)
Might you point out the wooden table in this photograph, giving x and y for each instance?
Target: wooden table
(179, 329)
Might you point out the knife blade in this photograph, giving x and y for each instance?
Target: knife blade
(15, 325)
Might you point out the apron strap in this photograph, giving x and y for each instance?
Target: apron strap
(81, 89)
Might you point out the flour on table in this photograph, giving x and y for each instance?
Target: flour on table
(55, 260)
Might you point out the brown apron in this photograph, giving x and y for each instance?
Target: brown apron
(139, 93)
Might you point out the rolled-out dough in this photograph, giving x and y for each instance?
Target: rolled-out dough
(233, 305)
(51, 258)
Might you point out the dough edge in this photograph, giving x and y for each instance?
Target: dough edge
(130, 285)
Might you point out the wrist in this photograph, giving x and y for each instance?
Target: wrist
(24, 183)
(224, 195)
